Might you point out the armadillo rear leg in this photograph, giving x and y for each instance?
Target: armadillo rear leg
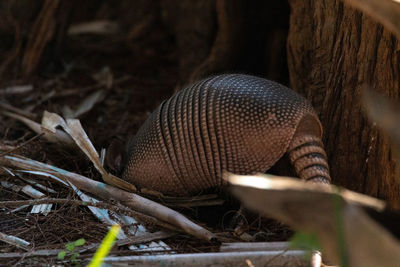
(306, 152)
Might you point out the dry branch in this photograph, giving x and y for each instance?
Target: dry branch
(16, 89)
(59, 137)
(253, 246)
(8, 152)
(17, 111)
(103, 205)
(105, 191)
(14, 241)
(148, 237)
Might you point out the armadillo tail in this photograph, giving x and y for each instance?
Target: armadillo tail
(307, 154)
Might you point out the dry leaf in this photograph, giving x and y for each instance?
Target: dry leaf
(74, 129)
(346, 233)
(55, 136)
(85, 106)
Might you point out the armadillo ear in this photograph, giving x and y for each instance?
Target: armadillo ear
(114, 155)
(309, 124)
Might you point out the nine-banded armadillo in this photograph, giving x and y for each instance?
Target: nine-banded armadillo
(237, 123)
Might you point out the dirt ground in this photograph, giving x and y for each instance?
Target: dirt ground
(135, 77)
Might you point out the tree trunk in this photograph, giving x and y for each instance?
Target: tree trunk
(219, 36)
(333, 53)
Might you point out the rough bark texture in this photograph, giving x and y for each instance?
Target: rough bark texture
(193, 25)
(228, 36)
(333, 52)
(250, 38)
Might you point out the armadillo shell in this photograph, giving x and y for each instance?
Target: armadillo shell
(238, 123)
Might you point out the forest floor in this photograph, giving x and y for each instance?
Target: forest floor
(133, 80)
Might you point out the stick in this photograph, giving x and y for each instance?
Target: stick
(105, 191)
(103, 205)
(149, 237)
(257, 258)
(254, 246)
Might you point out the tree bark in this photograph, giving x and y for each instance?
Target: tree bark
(333, 52)
(193, 25)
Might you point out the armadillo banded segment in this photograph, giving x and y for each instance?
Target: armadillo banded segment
(308, 156)
(238, 123)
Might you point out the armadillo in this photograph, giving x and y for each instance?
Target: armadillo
(233, 122)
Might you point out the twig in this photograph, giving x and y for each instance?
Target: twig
(202, 203)
(38, 185)
(186, 202)
(73, 91)
(52, 252)
(117, 208)
(21, 145)
(18, 111)
(59, 137)
(15, 241)
(253, 246)
(16, 89)
(105, 191)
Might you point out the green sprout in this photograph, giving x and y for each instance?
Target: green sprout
(71, 251)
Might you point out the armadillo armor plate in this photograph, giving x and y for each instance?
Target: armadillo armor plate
(238, 123)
